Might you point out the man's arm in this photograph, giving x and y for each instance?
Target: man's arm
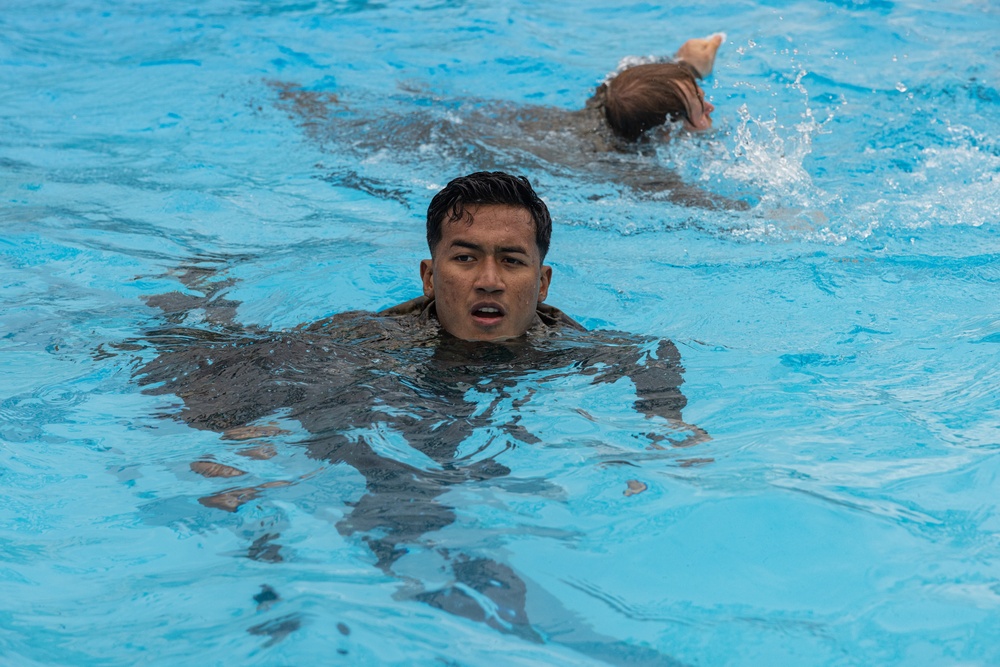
(656, 372)
(658, 380)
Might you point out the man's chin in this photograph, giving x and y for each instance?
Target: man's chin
(483, 329)
(481, 334)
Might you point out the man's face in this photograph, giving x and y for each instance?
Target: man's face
(487, 277)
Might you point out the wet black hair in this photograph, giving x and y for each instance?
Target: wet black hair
(487, 188)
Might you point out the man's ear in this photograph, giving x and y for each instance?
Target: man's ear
(543, 283)
(426, 277)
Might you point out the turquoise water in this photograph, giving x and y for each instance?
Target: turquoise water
(839, 337)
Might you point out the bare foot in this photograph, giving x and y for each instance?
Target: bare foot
(260, 452)
(251, 432)
(634, 487)
(213, 469)
(700, 52)
(231, 499)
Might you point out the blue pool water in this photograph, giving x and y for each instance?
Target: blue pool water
(839, 336)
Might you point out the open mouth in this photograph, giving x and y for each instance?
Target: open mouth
(487, 314)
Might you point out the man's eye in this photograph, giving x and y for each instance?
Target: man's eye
(464, 258)
(513, 260)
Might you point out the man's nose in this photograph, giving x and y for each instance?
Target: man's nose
(709, 107)
(489, 278)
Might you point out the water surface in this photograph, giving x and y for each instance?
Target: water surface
(837, 334)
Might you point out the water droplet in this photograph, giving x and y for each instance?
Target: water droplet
(901, 87)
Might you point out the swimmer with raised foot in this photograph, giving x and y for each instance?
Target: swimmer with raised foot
(648, 92)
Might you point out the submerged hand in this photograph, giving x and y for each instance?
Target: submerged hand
(700, 52)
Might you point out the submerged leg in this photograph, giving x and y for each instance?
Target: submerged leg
(488, 592)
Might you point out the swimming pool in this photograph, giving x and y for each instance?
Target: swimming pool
(839, 338)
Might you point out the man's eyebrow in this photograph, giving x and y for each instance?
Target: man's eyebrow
(475, 246)
(513, 249)
(466, 244)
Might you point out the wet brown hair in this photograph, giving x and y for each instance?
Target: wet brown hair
(645, 96)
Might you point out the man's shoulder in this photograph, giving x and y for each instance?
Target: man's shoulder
(420, 311)
(412, 308)
(419, 307)
(552, 317)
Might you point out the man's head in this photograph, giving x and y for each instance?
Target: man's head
(484, 188)
(645, 96)
(488, 233)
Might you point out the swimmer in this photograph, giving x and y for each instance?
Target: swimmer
(354, 379)
(611, 140)
(643, 95)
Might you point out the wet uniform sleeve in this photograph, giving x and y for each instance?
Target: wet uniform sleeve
(655, 370)
(657, 378)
